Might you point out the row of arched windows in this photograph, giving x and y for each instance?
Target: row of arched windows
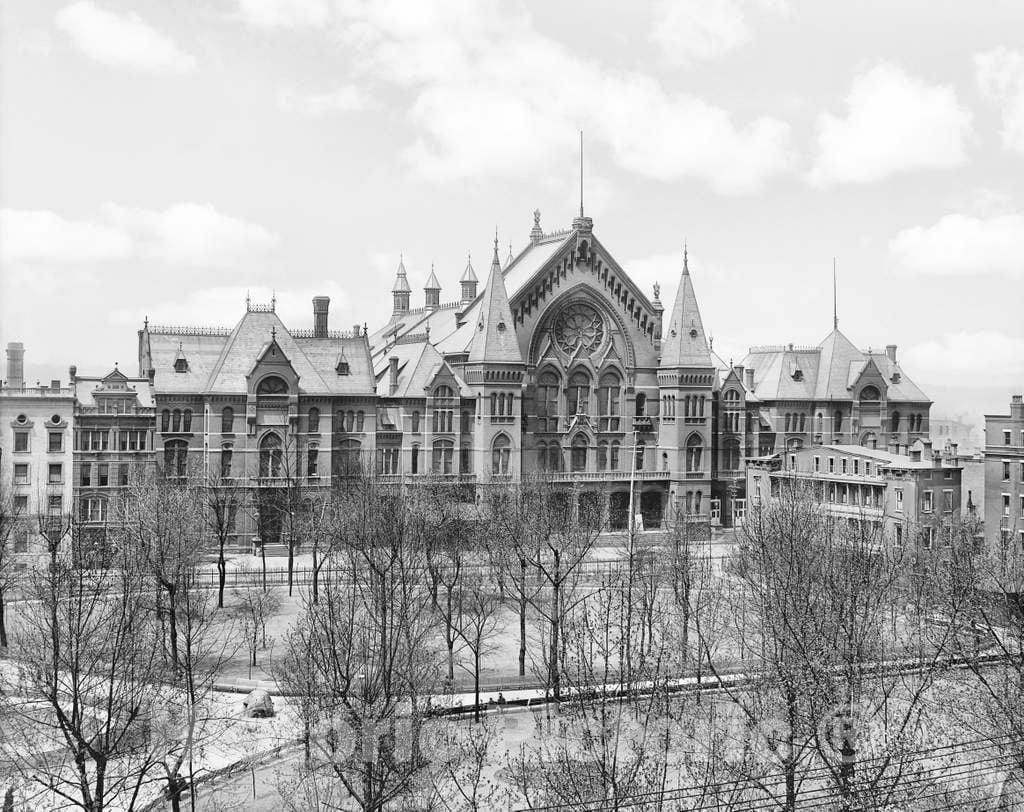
(913, 422)
(796, 421)
(501, 404)
(578, 393)
(177, 420)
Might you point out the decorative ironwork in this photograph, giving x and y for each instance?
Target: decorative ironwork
(579, 327)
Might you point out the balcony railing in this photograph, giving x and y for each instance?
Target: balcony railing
(603, 476)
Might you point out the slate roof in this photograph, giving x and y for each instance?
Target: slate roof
(828, 371)
(684, 342)
(494, 336)
(219, 362)
(418, 365)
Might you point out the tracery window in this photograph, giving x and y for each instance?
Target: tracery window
(694, 453)
(547, 401)
(579, 453)
(271, 456)
(578, 327)
(578, 394)
(443, 456)
(272, 385)
(608, 395)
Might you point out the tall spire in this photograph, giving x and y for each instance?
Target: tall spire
(685, 343)
(686, 257)
(835, 300)
(581, 174)
(495, 337)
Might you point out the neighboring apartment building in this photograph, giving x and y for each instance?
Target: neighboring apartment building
(908, 496)
(1004, 475)
(113, 437)
(36, 460)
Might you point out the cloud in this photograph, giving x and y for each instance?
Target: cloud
(984, 355)
(224, 305)
(490, 96)
(1000, 77)
(346, 99)
(894, 123)
(962, 244)
(688, 31)
(189, 234)
(193, 234)
(121, 40)
(39, 236)
(269, 14)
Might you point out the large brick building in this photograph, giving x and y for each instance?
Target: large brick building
(1004, 475)
(559, 367)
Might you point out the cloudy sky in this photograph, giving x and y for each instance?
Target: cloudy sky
(162, 159)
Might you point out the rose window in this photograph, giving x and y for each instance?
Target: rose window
(578, 327)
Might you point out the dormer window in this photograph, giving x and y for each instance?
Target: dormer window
(798, 374)
(180, 364)
(895, 377)
(342, 368)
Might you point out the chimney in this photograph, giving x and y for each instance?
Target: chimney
(1017, 407)
(54, 385)
(15, 365)
(72, 373)
(952, 450)
(890, 350)
(393, 374)
(749, 375)
(320, 306)
(355, 330)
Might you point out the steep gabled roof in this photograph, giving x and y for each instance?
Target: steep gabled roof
(494, 337)
(418, 365)
(837, 356)
(684, 343)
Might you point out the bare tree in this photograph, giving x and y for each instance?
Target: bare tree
(553, 531)
(85, 687)
(12, 522)
(361, 661)
(256, 606)
(478, 618)
(162, 517)
(225, 497)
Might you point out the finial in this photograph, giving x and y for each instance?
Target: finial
(273, 332)
(366, 331)
(145, 323)
(536, 218)
(835, 302)
(115, 364)
(248, 302)
(711, 345)
(686, 256)
(273, 300)
(581, 174)
(657, 290)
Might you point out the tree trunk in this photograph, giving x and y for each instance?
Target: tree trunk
(476, 683)
(316, 576)
(291, 562)
(172, 615)
(3, 621)
(522, 618)
(263, 559)
(553, 671)
(222, 575)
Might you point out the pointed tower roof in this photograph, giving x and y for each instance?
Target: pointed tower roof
(469, 275)
(494, 339)
(685, 343)
(432, 284)
(401, 280)
(838, 354)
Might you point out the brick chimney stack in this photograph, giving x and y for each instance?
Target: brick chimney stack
(320, 307)
(890, 350)
(15, 365)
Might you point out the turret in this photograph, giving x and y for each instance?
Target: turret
(432, 290)
(401, 289)
(468, 281)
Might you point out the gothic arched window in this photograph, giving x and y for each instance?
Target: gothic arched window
(694, 453)
(579, 453)
(272, 385)
(578, 395)
(271, 456)
(608, 394)
(501, 451)
(548, 385)
(443, 456)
